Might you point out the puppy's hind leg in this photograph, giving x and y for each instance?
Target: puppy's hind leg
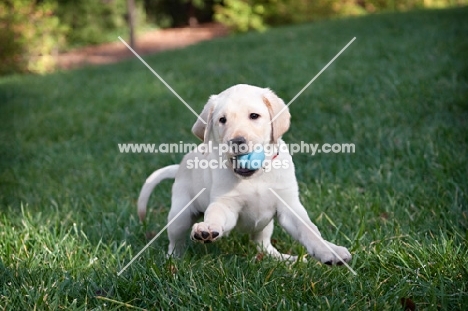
(263, 241)
(178, 229)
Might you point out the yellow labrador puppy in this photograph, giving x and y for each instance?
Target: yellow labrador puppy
(238, 197)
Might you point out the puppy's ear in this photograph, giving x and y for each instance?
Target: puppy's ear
(201, 129)
(281, 118)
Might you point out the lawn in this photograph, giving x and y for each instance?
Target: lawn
(68, 221)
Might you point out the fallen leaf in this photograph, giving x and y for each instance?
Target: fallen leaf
(408, 304)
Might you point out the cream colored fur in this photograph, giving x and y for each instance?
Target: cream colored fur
(232, 201)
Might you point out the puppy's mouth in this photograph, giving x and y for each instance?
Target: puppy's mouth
(244, 172)
(245, 159)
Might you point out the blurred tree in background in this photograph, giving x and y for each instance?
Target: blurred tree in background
(174, 13)
(33, 31)
(30, 34)
(244, 15)
(91, 21)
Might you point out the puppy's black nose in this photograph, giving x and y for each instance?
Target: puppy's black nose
(239, 140)
(238, 145)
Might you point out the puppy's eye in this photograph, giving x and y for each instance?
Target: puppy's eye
(222, 120)
(254, 116)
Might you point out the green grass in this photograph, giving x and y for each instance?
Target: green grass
(400, 93)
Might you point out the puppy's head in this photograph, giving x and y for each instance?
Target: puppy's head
(243, 117)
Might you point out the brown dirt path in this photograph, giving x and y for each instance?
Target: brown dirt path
(148, 43)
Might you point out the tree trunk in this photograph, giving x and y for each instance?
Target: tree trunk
(131, 21)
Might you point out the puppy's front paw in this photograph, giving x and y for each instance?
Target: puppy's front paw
(205, 233)
(338, 256)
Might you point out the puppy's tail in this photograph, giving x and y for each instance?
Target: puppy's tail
(152, 181)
